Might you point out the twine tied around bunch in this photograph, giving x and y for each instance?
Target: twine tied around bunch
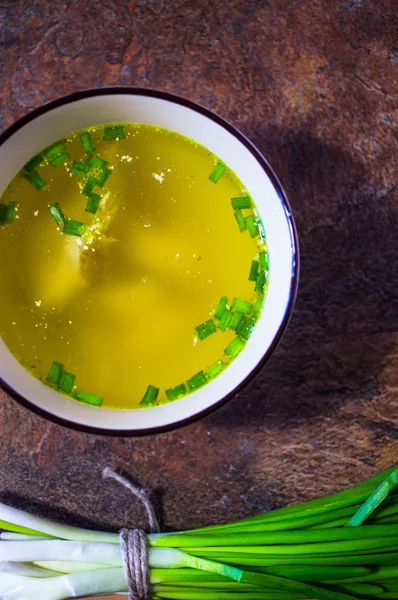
(133, 541)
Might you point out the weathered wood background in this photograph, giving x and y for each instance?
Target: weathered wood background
(314, 84)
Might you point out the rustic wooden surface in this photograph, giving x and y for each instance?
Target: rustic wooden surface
(314, 84)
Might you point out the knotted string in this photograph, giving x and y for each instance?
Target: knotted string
(133, 541)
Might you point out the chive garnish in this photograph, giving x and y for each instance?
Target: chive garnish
(93, 203)
(73, 228)
(66, 382)
(55, 372)
(239, 203)
(245, 328)
(59, 160)
(33, 163)
(214, 370)
(90, 185)
(233, 349)
(264, 263)
(35, 179)
(176, 392)
(80, 168)
(103, 177)
(196, 381)
(113, 132)
(251, 225)
(253, 270)
(205, 329)
(260, 283)
(235, 320)
(94, 162)
(7, 213)
(150, 395)
(240, 219)
(222, 305)
(89, 398)
(242, 306)
(258, 305)
(217, 172)
(87, 142)
(57, 213)
(225, 320)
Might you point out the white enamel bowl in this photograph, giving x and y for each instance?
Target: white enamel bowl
(85, 109)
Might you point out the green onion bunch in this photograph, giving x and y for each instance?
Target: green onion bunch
(340, 547)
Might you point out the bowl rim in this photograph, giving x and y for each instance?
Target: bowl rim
(294, 280)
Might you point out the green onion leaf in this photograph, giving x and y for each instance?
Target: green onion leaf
(222, 306)
(251, 224)
(35, 179)
(260, 283)
(253, 270)
(214, 370)
(103, 177)
(258, 306)
(264, 263)
(239, 203)
(205, 329)
(245, 328)
(90, 185)
(225, 320)
(55, 372)
(73, 228)
(94, 162)
(87, 142)
(240, 219)
(80, 168)
(261, 228)
(93, 203)
(196, 381)
(7, 213)
(57, 213)
(217, 172)
(66, 382)
(113, 132)
(374, 500)
(242, 306)
(236, 319)
(33, 163)
(233, 349)
(150, 395)
(57, 149)
(89, 398)
(59, 160)
(176, 392)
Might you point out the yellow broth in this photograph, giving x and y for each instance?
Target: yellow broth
(118, 306)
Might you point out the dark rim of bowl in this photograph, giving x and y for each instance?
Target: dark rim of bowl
(132, 91)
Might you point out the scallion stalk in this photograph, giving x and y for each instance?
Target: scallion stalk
(240, 203)
(35, 179)
(176, 392)
(113, 132)
(87, 142)
(205, 329)
(88, 399)
(73, 228)
(150, 395)
(221, 308)
(197, 381)
(217, 172)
